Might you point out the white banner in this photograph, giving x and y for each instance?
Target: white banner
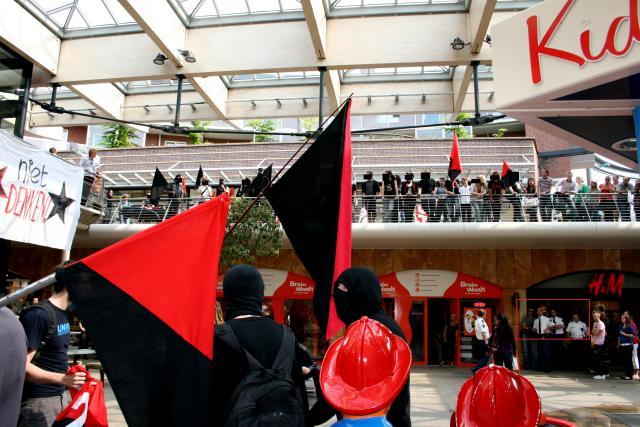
(39, 195)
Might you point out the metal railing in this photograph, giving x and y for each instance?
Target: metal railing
(589, 207)
(93, 192)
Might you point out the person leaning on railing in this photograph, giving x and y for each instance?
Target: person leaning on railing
(513, 196)
(478, 191)
(544, 195)
(607, 204)
(563, 197)
(531, 200)
(465, 200)
(623, 189)
(496, 192)
(579, 201)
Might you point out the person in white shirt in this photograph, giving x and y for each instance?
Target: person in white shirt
(564, 203)
(90, 166)
(576, 329)
(556, 325)
(465, 200)
(482, 341)
(205, 192)
(541, 326)
(577, 332)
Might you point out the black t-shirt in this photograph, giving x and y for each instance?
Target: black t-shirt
(389, 188)
(53, 356)
(427, 185)
(406, 187)
(371, 187)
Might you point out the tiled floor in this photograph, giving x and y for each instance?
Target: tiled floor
(566, 395)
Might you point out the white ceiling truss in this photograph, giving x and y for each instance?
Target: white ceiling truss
(254, 58)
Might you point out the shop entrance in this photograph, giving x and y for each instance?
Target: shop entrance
(439, 349)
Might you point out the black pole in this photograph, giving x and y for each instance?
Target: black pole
(476, 87)
(321, 95)
(54, 93)
(176, 122)
(21, 120)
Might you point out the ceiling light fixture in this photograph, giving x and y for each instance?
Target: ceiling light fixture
(458, 44)
(188, 56)
(159, 59)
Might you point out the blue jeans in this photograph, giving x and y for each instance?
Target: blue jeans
(530, 348)
(387, 212)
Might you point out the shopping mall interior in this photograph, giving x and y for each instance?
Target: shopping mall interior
(538, 101)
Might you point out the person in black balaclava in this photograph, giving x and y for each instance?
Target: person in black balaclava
(357, 292)
(260, 336)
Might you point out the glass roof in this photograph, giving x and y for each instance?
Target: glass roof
(337, 4)
(152, 86)
(68, 15)
(197, 9)
(396, 73)
(273, 79)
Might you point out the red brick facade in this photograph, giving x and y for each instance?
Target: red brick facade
(548, 142)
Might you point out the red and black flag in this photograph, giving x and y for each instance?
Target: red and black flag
(313, 202)
(151, 318)
(454, 160)
(507, 174)
(158, 187)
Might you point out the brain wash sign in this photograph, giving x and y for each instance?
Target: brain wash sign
(39, 195)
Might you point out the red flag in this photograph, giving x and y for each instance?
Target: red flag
(506, 169)
(313, 202)
(506, 173)
(151, 318)
(454, 160)
(87, 407)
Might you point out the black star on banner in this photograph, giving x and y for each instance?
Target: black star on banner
(2, 172)
(60, 203)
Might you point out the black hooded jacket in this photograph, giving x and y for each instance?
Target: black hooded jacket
(364, 298)
(260, 336)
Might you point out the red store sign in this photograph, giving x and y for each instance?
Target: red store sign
(542, 46)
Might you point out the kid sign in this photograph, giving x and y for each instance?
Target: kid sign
(39, 195)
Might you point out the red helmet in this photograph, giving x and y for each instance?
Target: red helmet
(364, 371)
(497, 397)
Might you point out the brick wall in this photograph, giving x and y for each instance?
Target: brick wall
(77, 134)
(548, 142)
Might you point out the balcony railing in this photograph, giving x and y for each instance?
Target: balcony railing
(589, 207)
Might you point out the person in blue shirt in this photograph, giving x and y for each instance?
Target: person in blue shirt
(363, 372)
(625, 344)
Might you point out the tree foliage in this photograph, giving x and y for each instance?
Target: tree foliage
(258, 235)
(117, 136)
(195, 138)
(500, 133)
(263, 126)
(461, 131)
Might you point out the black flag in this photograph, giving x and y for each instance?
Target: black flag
(158, 187)
(313, 202)
(199, 177)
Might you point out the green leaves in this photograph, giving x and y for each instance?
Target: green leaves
(259, 234)
(195, 138)
(263, 126)
(117, 136)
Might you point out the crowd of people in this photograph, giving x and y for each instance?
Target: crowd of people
(551, 343)
(482, 199)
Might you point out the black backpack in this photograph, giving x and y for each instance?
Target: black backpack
(53, 326)
(266, 396)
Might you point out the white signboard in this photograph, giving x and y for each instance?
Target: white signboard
(39, 195)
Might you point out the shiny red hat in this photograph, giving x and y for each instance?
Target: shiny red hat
(365, 370)
(497, 397)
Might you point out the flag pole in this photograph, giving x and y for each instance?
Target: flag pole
(319, 130)
(31, 288)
